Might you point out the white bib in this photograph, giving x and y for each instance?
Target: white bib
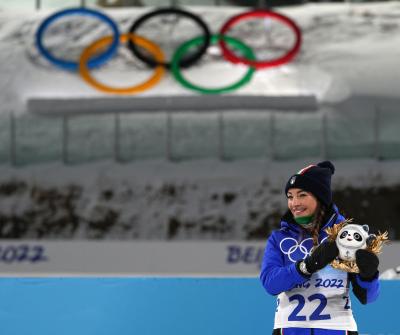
(321, 302)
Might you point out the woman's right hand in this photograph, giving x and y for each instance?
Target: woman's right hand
(324, 254)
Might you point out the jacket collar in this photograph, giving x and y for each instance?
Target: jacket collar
(330, 219)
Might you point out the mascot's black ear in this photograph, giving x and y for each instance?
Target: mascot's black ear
(366, 227)
(371, 238)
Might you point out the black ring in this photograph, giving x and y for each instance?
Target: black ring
(186, 61)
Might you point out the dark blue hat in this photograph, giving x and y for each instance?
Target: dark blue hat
(315, 179)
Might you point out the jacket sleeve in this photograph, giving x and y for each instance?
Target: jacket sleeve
(275, 276)
(365, 291)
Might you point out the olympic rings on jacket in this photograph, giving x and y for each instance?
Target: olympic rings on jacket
(186, 61)
(152, 48)
(214, 39)
(70, 65)
(229, 55)
(295, 250)
(290, 247)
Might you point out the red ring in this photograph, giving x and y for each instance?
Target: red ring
(230, 56)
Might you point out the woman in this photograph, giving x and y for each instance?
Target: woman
(313, 297)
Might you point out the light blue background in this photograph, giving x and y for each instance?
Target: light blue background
(156, 306)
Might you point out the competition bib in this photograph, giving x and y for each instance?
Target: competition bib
(321, 302)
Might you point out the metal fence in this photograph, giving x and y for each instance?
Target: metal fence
(128, 137)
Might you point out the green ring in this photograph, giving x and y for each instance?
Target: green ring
(184, 48)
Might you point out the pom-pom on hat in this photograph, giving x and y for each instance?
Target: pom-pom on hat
(315, 179)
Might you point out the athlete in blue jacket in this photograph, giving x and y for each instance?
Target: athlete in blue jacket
(312, 297)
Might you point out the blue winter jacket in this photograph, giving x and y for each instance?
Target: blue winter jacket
(279, 272)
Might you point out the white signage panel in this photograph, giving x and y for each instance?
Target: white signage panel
(137, 258)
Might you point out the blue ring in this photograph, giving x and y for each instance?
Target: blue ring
(70, 65)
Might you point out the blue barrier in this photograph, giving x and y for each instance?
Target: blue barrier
(158, 306)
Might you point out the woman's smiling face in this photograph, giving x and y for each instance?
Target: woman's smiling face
(301, 203)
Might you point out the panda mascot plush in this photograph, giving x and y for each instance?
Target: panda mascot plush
(350, 237)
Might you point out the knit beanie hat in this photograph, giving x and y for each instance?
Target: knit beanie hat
(315, 179)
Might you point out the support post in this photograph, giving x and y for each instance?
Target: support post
(117, 133)
(221, 144)
(65, 139)
(13, 140)
(377, 135)
(168, 144)
(324, 136)
(272, 154)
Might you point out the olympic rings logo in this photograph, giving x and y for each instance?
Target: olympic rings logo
(289, 246)
(187, 54)
(295, 250)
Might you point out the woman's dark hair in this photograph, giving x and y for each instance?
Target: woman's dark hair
(319, 218)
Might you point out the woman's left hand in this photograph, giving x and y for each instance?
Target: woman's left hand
(367, 263)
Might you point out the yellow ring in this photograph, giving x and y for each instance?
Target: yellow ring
(103, 43)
